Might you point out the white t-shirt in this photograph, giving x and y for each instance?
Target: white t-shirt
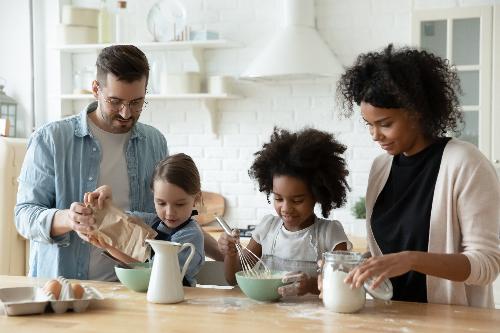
(113, 172)
(323, 235)
(113, 167)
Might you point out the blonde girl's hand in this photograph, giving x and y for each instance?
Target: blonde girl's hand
(94, 241)
(227, 244)
(98, 196)
(98, 243)
(380, 268)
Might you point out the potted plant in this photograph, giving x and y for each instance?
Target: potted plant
(359, 209)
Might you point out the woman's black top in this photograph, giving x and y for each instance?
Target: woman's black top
(401, 215)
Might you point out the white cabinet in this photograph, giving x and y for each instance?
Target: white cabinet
(71, 55)
(496, 292)
(465, 37)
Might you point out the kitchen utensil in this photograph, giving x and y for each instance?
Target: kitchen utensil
(261, 289)
(165, 285)
(136, 278)
(337, 295)
(250, 262)
(166, 19)
(79, 16)
(219, 85)
(340, 297)
(73, 34)
(181, 83)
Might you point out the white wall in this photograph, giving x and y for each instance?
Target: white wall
(15, 59)
(349, 28)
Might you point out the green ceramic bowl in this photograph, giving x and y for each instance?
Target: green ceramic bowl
(136, 278)
(261, 289)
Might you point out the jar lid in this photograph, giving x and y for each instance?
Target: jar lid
(349, 257)
(382, 292)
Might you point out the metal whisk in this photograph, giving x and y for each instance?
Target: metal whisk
(248, 260)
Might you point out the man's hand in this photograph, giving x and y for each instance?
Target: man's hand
(79, 218)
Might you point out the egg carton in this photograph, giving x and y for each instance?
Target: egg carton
(34, 300)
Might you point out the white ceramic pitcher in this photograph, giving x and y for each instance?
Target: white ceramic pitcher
(165, 285)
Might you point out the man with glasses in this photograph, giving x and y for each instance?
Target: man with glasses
(104, 144)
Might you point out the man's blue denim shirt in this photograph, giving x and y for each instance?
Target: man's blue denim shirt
(61, 164)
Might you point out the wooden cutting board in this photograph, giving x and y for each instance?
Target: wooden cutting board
(213, 204)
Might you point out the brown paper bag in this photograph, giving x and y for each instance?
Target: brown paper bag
(126, 233)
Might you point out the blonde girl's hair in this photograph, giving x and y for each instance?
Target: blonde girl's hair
(180, 170)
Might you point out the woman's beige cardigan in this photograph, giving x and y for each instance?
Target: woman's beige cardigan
(465, 219)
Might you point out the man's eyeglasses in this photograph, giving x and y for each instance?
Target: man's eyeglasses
(116, 105)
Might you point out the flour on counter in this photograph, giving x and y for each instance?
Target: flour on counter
(223, 304)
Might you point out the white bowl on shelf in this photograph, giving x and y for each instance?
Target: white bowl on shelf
(181, 83)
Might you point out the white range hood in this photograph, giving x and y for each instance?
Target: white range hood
(296, 52)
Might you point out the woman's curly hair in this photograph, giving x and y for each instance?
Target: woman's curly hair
(417, 81)
(310, 155)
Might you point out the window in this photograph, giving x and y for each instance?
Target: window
(465, 37)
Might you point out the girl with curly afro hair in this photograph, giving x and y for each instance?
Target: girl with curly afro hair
(299, 170)
(433, 217)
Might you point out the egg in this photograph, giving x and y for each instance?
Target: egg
(77, 290)
(53, 287)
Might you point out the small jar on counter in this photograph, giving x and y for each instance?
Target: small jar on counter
(339, 296)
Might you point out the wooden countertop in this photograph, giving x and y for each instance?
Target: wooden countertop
(218, 311)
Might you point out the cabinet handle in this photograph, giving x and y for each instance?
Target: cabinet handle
(496, 161)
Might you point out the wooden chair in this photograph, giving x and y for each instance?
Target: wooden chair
(14, 248)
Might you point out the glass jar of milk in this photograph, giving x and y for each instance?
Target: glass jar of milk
(337, 295)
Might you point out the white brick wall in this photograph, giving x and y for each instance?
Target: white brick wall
(349, 27)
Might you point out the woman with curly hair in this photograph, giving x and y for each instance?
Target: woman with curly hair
(432, 203)
(299, 170)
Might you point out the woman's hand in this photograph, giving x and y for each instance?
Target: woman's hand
(98, 196)
(227, 244)
(380, 268)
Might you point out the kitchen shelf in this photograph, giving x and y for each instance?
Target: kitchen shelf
(209, 102)
(154, 46)
(194, 96)
(159, 96)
